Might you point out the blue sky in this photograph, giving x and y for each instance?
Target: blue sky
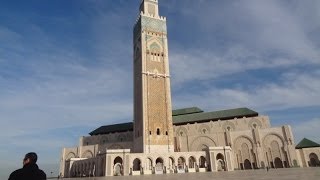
(66, 66)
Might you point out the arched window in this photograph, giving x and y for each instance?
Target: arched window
(158, 131)
(136, 164)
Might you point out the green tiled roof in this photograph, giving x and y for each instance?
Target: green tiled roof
(215, 115)
(306, 143)
(191, 110)
(113, 128)
(184, 116)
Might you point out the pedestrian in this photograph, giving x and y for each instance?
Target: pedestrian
(30, 169)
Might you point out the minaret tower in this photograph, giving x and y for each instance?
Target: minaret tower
(153, 130)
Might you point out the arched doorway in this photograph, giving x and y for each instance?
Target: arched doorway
(202, 147)
(136, 165)
(314, 160)
(181, 164)
(202, 162)
(192, 162)
(149, 164)
(247, 164)
(159, 166)
(220, 162)
(278, 163)
(117, 166)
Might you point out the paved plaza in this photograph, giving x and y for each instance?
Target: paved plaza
(273, 174)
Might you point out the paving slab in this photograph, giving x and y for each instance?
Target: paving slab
(273, 174)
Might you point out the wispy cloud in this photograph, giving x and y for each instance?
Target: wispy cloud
(51, 87)
(307, 129)
(294, 90)
(66, 74)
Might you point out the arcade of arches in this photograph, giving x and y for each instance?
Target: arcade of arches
(162, 141)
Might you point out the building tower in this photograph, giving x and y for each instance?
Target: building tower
(153, 130)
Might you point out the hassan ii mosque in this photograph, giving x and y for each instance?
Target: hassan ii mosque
(162, 141)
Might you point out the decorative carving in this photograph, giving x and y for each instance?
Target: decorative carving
(229, 126)
(87, 154)
(201, 142)
(182, 131)
(254, 124)
(270, 138)
(70, 155)
(153, 24)
(204, 129)
(155, 47)
(155, 75)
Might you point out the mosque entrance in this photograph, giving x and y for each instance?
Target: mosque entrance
(314, 160)
(247, 164)
(181, 165)
(278, 163)
(159, 166)
(220, 162)
(202, 162)
(117, 166)
(136, 165)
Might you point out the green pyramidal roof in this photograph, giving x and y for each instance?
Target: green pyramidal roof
(306, 143)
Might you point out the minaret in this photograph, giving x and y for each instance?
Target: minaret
(153, 130)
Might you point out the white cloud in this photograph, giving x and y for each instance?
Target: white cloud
(59, 87)
(295, 90)
(307, 129)
(264, 34)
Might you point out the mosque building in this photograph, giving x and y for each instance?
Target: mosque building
(162, 141)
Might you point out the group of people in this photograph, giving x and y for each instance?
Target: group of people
(30, 169)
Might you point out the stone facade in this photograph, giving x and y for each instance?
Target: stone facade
(158, 145)
(234, 144)
(308, 157)
(152, 97)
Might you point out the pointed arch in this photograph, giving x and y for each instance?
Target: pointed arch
(70, 155)
(202, 141)
(313, 160)
(155, 47)
(87, 154)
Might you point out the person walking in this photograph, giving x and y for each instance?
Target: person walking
(30, 169)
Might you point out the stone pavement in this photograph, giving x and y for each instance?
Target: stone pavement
(273, 174)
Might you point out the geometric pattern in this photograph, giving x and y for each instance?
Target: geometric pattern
(153, 24)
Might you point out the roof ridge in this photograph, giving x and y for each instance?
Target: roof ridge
(307, 143)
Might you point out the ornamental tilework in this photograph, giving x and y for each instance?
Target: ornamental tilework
(153, 24)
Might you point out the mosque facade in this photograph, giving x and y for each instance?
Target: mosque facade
(162, 141)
